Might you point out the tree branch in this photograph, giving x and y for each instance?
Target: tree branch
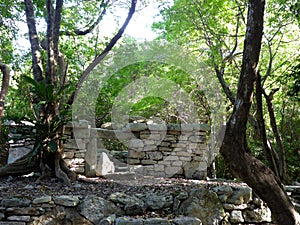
(37, 64)
(92, 27)
(98, 59)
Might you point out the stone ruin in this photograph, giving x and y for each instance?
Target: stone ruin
(155, 150)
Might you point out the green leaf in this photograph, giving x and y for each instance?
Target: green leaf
(53, 146)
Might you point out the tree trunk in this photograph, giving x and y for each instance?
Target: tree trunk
(4, 88)
(281, 152)
(269, 151)
(234, 148)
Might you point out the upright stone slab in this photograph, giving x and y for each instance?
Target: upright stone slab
(104, 165)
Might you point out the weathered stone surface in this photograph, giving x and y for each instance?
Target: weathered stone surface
(104, 165)
(128, 221)
(19, 218)
(236, 216)
(132, 205)
(60, 215)
(66, 200)
(158, 201)
(205, 205)
(2, 216)
(44, 199)
(15, 202)
(17, 153)
(183, 195)
(190, 169)
(234, 207)
(30, 211)
(91, 157)
(12, 223)
(157, 221)
(96, 208)
(241, 195)
(258, 215)
(187, 221)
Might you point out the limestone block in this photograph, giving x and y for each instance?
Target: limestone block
(131, 161)
(91, 157)
(194, 138)
(241, 195)
(148, 142)
(157, 221)
(205, 205)
(66, 200)
(79, 155)
(158, 167)
(96, 208)
(150, 147)
(185, 158)
(183, 153)
(147, 162)
(19, 218)
(78, 168)
(187, 221)
(179, 145)
(177, 163)
(128, 221)
(154, 137)
(164, 144)
(165, 149)
(138, 126)
(171, 158)
(172, 170)
(136, 154)
(17, 153)
(68, 155)
(193, 170)
(258, 215)
(15, 202)
(135, 143)
(156, 201)
(104, 165)
(154, 155)
(236, 216)
(157, 127)
(40, 200)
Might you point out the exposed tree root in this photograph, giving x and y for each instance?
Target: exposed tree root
(24, 166)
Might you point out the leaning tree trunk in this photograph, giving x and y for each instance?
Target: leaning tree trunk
(234, 148)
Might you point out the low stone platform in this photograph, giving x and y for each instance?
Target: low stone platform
(176, 202)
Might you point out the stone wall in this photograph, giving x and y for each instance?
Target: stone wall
(153, 149)
(214, 204)
(169, 150)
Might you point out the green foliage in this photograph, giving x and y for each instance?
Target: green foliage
(150, 106)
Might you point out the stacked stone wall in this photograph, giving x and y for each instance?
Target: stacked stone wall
(159, 150)
(213, 204)
(169, 150)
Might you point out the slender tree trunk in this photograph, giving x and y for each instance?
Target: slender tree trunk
(4, 88)
(234, 148)
(270, 153)
(281, 151)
